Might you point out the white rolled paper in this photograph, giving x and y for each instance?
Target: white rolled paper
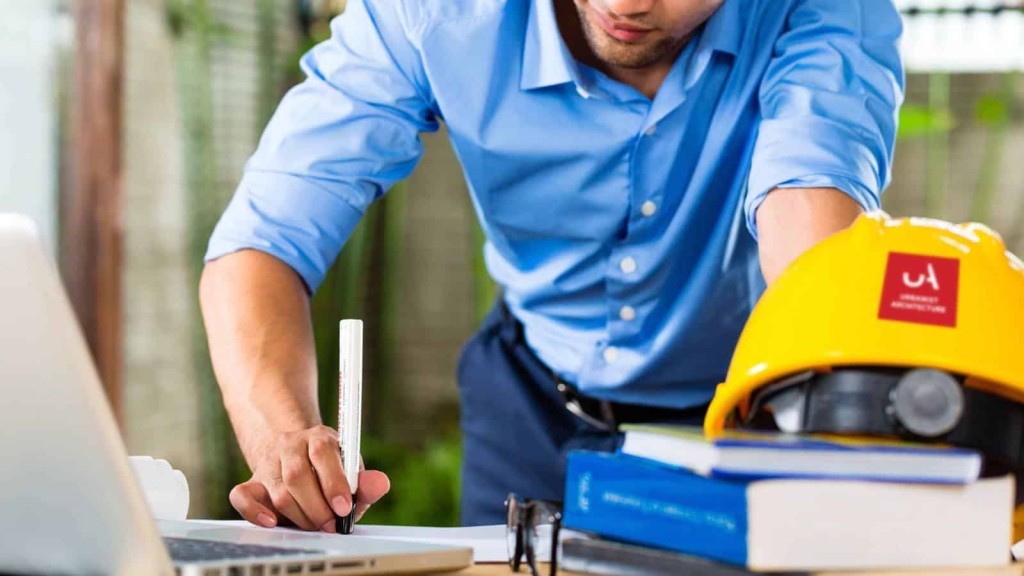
(165, 489)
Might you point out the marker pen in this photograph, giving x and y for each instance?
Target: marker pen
(350, 400)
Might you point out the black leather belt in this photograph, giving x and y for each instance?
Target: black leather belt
(601, 414)
(607, 415)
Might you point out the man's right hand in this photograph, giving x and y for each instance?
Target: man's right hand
(256, 311)
(298, 479)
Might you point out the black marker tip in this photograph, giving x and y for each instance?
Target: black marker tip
(347, 522)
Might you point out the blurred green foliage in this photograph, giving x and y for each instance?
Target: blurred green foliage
(195, 16)
(933, 120)
(196, 30)
(993, 110)
(921, 121)
(424, 482)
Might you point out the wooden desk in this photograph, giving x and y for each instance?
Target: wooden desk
(502, 570)
(1015, 570)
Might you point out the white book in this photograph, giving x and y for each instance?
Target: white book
(753, 455)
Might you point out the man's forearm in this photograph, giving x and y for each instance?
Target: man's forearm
(256, 312)
(792, 220)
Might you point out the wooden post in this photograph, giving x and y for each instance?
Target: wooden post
(91, 202)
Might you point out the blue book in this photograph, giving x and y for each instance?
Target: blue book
(755, 455)
(789, 524)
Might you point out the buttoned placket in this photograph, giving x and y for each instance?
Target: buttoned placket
(625, 266)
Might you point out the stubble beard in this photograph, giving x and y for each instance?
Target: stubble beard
(623, 54)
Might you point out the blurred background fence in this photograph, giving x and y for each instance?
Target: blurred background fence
(200, 79)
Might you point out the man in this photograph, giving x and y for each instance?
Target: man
(624, 156)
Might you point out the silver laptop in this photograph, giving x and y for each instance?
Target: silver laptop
(69, 503)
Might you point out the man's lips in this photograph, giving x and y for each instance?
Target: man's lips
(620, 30)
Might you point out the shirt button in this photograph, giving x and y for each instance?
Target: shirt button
(627, 265)
(582, 91)
(651, 130)
(610, 354)
(648, 208)
(627, 313)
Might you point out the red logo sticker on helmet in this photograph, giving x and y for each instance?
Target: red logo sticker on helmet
(921, 289)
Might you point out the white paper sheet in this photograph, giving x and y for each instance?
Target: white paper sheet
(487, 542)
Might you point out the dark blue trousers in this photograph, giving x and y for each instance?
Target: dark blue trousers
(516, 429)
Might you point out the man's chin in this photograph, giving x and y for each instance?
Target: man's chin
(625, 55)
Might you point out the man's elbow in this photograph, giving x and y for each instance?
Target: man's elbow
(790, 221)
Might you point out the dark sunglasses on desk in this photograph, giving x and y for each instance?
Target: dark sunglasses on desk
(525, 516)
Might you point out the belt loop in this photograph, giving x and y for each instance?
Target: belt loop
(511, 323)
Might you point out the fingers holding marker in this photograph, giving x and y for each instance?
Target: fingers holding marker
(285, 503)
(302, 483)
(252, 501)
(280, 505)
(326, 460)
(373, 485)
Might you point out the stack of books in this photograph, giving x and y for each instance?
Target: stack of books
(772, 502)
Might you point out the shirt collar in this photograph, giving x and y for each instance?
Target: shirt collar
(547, 61)
(722, 31)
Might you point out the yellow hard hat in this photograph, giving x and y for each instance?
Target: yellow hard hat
(905, 327)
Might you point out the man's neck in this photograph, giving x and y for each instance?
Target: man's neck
(646, 80)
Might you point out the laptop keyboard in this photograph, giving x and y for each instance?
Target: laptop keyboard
(184, 550)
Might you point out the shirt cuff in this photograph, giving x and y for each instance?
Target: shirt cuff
(293, 219)
(811, 153)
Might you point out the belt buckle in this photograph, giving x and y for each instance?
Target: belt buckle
(572, 404)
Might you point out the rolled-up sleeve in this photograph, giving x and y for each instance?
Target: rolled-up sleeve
(336, 143)
(829, 102)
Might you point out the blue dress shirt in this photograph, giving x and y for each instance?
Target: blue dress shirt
(621, 228)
